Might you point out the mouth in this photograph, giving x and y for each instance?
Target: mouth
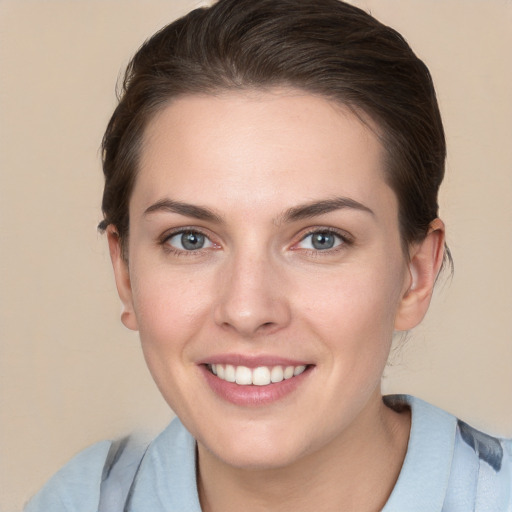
(259, 376)
(256, 381)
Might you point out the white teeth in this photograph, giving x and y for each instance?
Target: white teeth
(277, 374)
(288, 372)
(298, 370)
(243, 375)
(260, 376)
(229, 374)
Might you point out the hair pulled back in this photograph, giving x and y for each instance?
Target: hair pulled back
(325, 47)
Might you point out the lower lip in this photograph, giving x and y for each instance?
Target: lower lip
(253, 396)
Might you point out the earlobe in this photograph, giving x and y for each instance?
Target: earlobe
(122, 277)
(425, 261)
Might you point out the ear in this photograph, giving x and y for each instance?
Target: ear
(122, 277)
(425, 260)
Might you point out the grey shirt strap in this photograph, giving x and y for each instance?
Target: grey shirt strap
(121, 466)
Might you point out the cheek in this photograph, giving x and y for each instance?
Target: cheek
(354, 298)
(354, 311)
(169, 307)
(170, 311)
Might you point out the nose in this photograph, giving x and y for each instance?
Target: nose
(252, 297)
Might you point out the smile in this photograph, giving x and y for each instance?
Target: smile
(259, 376)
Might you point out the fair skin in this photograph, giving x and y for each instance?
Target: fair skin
(263, 235)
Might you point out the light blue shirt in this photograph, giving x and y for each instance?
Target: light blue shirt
(449, 467)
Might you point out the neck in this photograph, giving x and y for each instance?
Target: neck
(355, 471)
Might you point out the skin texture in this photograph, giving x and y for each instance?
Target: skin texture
(259, 287)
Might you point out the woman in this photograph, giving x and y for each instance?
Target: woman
(270, 204)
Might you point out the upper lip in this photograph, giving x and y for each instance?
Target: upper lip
(252, 361)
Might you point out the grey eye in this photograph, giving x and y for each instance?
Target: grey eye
(320, 241)
(189, 241)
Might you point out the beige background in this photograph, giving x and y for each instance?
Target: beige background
(70, 374)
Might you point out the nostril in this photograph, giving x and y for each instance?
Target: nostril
(267, 325)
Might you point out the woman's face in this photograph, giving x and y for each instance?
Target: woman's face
(263, 236)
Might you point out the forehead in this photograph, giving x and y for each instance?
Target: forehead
(283, 144)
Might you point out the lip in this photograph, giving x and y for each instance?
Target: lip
(252, 361)
(252, 395)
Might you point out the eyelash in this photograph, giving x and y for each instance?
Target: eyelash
(345, 240)
(164, 242)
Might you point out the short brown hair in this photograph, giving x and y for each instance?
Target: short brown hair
(325, 47)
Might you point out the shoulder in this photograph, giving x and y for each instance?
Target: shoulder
(76, 487)
(109, 474)
(449, 465)
(166, 479)
(481, 472)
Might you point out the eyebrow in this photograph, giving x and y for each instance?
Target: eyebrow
(186, 209)
(322, 207)
(293, 214)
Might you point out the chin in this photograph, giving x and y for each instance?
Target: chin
(258, 460)
(256, 451)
